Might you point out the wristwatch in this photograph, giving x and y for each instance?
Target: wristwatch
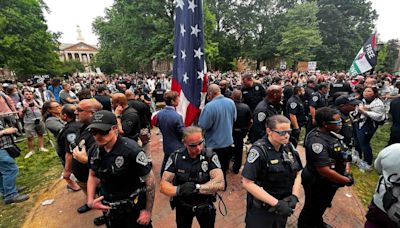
(198, 187)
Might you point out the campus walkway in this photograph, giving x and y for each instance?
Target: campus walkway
(347, 211)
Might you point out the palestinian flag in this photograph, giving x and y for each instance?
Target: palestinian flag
(366, 58)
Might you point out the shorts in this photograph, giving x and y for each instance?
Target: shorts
(31, 130)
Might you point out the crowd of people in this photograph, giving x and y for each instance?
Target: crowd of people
(102, 127)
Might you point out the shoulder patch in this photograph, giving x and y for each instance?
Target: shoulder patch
(216, 161)
(168, 164)
(315, 98)
(253, 155)
(142, 159)
(261, 116)
(71, 137)
(293, 105)
(119, 161)
(317, 147)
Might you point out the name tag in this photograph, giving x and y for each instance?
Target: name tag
(181, 171)
(274, 162)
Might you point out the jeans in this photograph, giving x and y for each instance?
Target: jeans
(363, 139)
(8, 175)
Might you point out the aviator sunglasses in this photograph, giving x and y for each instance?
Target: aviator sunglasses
(282, 133)
(196, 144)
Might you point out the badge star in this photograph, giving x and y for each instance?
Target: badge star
(183, 30)
(192, 5)
(201, 75)
(195, 30)
(198, 53)
(185, 77)
(183, 54)
(180, 4)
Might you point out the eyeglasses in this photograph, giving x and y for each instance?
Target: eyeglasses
(196, 144)
(337, 123)
(99, 132)
(282, 133)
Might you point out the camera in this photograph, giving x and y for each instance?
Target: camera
(37, 122)
(31, 104)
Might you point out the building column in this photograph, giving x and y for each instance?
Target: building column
(80, 57)
(88, 57)
(66, 56)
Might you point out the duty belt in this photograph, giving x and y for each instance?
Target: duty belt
(132, 200)
(197, 207)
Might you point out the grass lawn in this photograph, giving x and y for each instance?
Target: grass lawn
(366, 182)
(36, 173)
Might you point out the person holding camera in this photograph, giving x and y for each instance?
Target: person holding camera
(8, 167)
(30, 111)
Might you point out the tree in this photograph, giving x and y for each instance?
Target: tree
(26, 47)
(344, 26)
(301, 36)
(388, 55)
(71, 67)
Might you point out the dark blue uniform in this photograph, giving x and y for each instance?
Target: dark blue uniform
(322, 149)
(66, 139)
(120, 172)
(317, 101)
(274, 171)
(260, 114)
(197, 170)
(84, 138)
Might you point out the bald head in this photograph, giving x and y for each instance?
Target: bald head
(274, 94)
(213, 91)
(129, 94)
(119, 99)
(91, 104)
(236, 95)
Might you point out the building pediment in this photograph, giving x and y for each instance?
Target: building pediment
(81, 46)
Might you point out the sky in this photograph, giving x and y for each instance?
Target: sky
(65, 15)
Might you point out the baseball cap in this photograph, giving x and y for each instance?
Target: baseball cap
(103, 120)
(344, 99)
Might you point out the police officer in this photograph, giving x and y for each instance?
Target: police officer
(327, 167)
(296, 113)
(66, 142)
(192, 176)
(339, 86)
(346, 104)
(309, 91)
(270, 106)
(271, 176)
(124, 173)
(253, 92)
(318, 100)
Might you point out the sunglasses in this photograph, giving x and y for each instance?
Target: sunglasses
(282, 133)
(337, 123)
(99, 132)
(196, 144)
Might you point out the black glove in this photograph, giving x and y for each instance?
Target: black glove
(292, 200)
(350, 176)
(295, 133)
(282, 208)
(186, 189)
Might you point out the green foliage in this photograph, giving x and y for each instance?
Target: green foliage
(387, 56)
(133, 33)
(344, 26)
(26, 46)
(37, 173)
(72, 66)
(301, 35)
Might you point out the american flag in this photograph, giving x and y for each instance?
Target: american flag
(189, 71)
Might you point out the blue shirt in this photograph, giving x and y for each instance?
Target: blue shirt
(216, 120)
(56, 91)
(171, 127)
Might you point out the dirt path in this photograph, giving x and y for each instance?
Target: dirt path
(347, 211)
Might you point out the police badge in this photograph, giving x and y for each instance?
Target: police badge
(261, 116)
(315, 98)
(119, 161)
(142, 159)
(293, 105)
(253, 155)
(204, 166)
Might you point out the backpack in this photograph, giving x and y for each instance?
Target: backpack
(391, 199)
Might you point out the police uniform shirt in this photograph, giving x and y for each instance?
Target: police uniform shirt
(261, 113)
(318, 100)
(323, 149)
(295, 107)
(130, 122)
(121, 169)
(253, 95)
(273, 165)
(81, 171)
(187, 169)
(66, 139)
(347, 129)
